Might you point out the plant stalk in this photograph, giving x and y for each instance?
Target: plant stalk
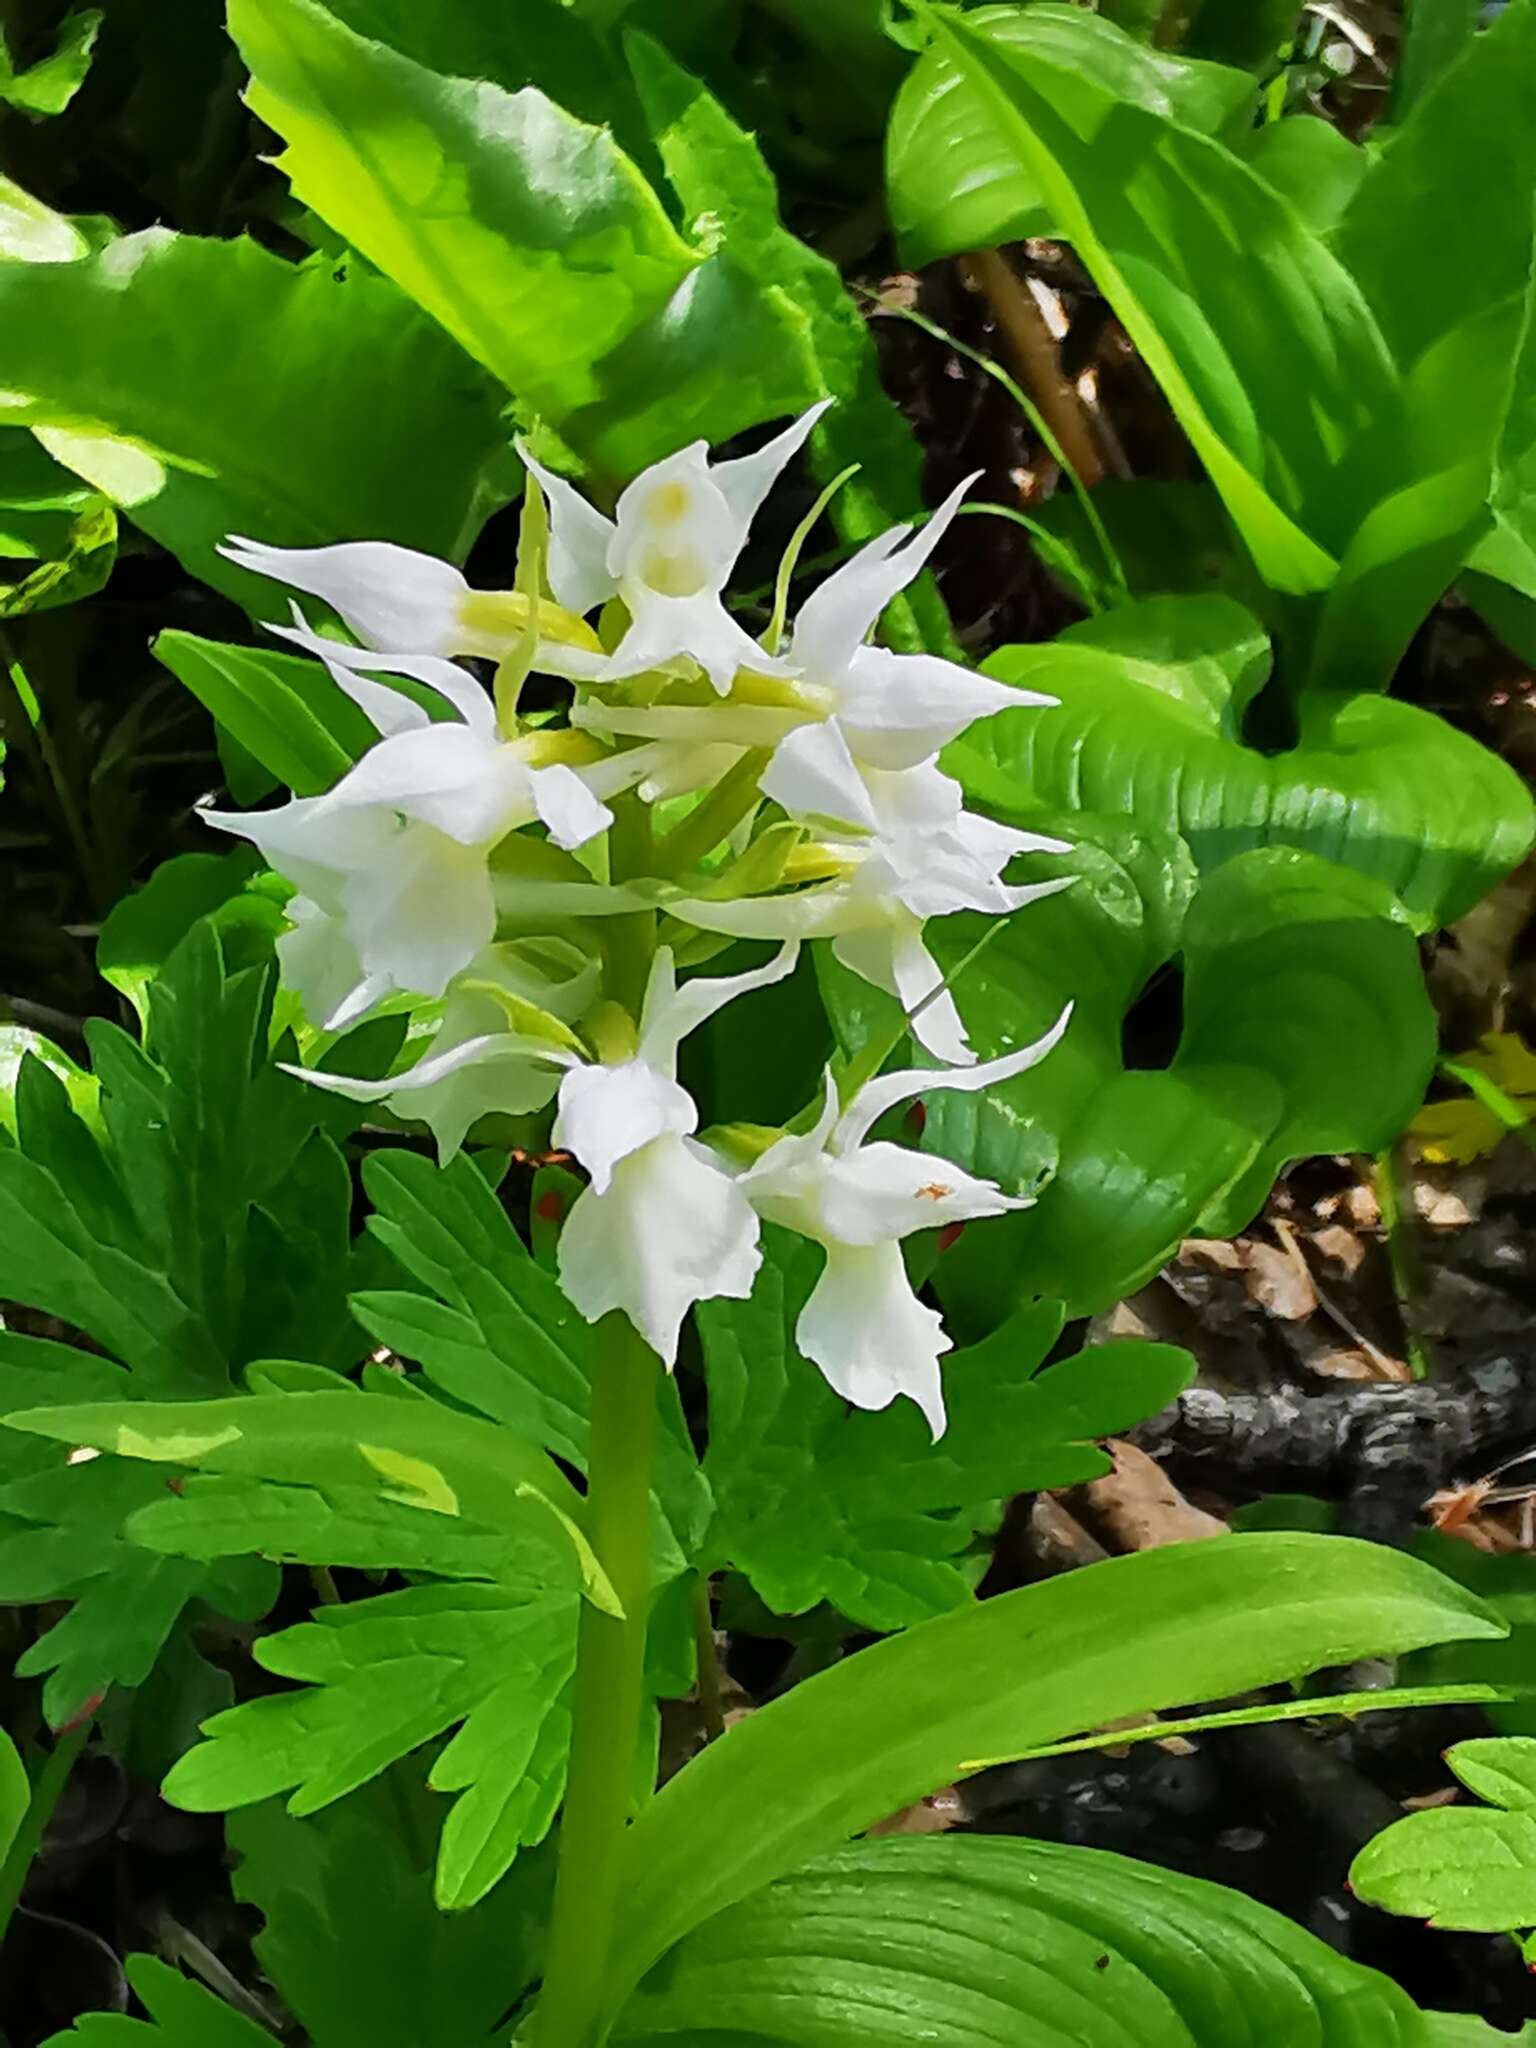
(46, 1791)
(610, 1664)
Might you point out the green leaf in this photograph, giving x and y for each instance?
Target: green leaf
(182, 2014)
(527, 234)
(1454, 1866)
(493, 1332)
(1150, 723)
(354, 1938)
(285, 711)
(31, 232)
(17, 1043)
(1434, 35)
(40, 501)
(15, 1792)
(1155, 211)
(1499, 1769)
(84, 560)
(139, 935)
(1309, 162)
(207, 388)
(860, 1741)
(972, 1941)
(384, 1676)
(864, 1511)
(955, 176)
(716, 168)
(48, 86)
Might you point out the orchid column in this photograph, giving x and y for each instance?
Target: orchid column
(500, 880)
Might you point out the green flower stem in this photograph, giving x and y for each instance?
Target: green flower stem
(50, 1783)
(714, 817)
(609, 1695)
(629, 941)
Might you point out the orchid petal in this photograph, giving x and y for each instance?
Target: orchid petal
(818, 913)
(455, 685)
(608, 1112)
(670, 1013)
(665, 628)
(882, 1093)
(900, 709)
(387, 710)
(579, 538)
(814, 776)
(671, 1229)
(421, 911)
(467, 786)
(892, 956)
(835, 618)
(566, 808)
(390, 596)
(871, 1337)
(745, 481)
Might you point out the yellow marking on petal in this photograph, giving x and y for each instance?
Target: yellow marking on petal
(497, 618)
(416, 1484)
(674, 572)
(668, 503)
(184, 1449)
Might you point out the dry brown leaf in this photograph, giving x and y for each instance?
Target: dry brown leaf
(935, 1815)
(1216, 1254)
(1277, 1279)
(1340, 1247)
(1441, 1208)
(1138, 1507)
(1362, 1207)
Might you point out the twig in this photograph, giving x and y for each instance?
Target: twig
(1400, 1257)
(1022, 326)
(711, 1704)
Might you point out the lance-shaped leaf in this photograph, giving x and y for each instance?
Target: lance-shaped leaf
(1201, 1620)
(814, 1503)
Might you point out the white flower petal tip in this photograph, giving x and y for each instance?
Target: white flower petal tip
(391, 597)
(873, 1341)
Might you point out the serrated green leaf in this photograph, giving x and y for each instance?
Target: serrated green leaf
(972, 1942)
(885, 1727)
(492, 1330)
(383, 1677)
(207, 387)
(141, 932)
(1150, 722)
(865, 1511)
(182, 2014)
(1454, 1866)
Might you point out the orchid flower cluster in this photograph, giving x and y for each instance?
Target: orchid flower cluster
(503, 875)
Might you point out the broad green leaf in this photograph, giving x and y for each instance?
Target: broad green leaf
(354, 1938)
(31, 232)
(1309, 162)
(1155, 211)
(1464, 2030)
(207, 388)
(493, 1332)
(182, 2014)
(1434, 34)
(1150, 723)
(145, 928)
(1454, 1866)
(286, 712)
(860, 1741)
(48, 86)
(972, 1941)
(1499, 1769)
(18, 1043)
(955, 177)
(384, 1676)
(864, 1511)
(86, 553)
(41, 502)
(716, 168)
(526, 233)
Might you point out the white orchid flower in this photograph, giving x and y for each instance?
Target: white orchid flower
(663, 1224)
(894, 710)
(667, 552)
(398, 601)
(392, 864)
(863, 1325)
(475, 1065)
(908, 850)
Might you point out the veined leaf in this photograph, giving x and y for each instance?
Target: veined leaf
(987, 192)
(1150, 723)
(286, 712)
(883, 1728)
(973, 1941)
(207, 388)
